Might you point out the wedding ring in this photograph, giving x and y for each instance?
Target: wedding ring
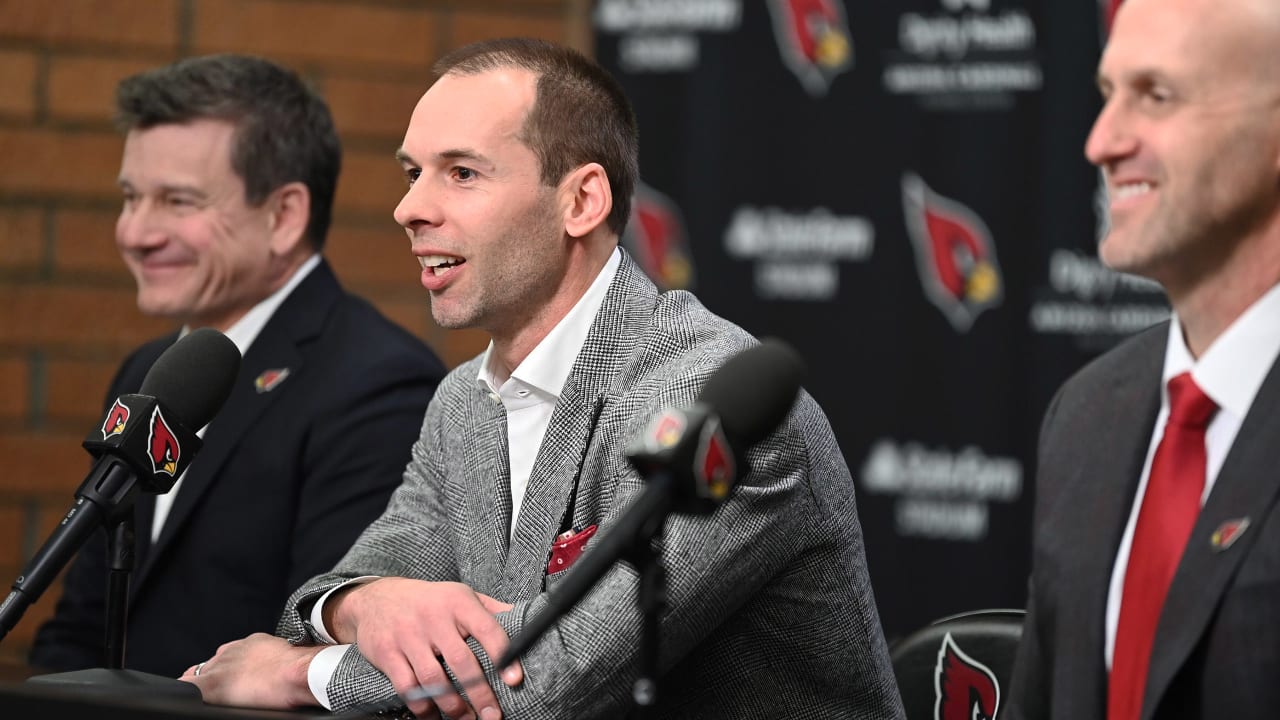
(199, 667)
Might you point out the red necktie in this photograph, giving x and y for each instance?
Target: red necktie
(1168, 513)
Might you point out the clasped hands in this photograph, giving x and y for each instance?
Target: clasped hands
(404, 628)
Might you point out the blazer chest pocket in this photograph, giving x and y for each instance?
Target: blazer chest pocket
(567, 549)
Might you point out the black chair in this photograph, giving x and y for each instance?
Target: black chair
(958, 668)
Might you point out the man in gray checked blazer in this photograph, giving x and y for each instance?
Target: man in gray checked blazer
(521, 161)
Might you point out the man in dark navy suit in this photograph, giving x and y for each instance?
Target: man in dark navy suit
(228, 177)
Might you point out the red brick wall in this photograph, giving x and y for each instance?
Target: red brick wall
(67, 312)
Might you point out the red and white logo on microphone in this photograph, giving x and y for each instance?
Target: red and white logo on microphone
(665, 431)
(116, 420)
(163, 444)
(714, 462)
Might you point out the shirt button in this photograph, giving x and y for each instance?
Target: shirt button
(494, 397)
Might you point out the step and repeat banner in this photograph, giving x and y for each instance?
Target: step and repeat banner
(899, 190)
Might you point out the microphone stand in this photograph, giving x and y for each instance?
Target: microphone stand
(646, 556)
(120, 557)
(114, 679)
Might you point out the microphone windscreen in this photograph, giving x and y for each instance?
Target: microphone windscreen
(754, 390)
(193, 377)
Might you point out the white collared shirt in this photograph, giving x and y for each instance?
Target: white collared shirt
(531, 393)
(243, 332)
(529, 397)
(1230, 373)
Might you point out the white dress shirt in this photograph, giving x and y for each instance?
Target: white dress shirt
(1230, 373)
(242, 333)
(529, 397)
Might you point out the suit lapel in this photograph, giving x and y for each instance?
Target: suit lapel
(569, 437)
(546, 499)
(298, 319)
(1247, 487)
(488, 492)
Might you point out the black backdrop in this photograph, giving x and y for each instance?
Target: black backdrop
(899, 190)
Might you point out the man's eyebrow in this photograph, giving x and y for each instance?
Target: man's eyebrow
(167, 188)
(464, 154)
(405, 158)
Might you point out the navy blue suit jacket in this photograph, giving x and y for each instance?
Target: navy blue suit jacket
(286, 480)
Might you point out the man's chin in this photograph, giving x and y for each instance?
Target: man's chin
(1121, 252)
(163, 308)
(452, 321)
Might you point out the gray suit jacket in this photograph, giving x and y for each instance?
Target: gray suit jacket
(1217, 645)
(770, 608)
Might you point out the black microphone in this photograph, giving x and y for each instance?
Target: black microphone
(690, 459)
(145, 441)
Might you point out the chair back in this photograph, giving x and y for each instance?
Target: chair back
(958, 668)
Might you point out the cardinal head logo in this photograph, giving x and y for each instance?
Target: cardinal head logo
(966, 689)
(954, 254)
(814, 38)
(164, 450)
(116, 420)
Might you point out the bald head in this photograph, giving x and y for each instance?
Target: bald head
(1223, 38)
(1189, 142)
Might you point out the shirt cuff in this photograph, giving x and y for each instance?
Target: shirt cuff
(321, 670)
(317, 614)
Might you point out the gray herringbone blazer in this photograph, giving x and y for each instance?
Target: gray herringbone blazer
(770, 607)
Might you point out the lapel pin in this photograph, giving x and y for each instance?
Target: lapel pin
(267, 381)
(1227, 534)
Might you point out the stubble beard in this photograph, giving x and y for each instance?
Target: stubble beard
(514, 290)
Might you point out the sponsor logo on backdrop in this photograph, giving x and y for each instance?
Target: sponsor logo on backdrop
(165, 452)
(1088, 300)
(965, 688)
(1107, 15)
(656, 238)
(954, 254)
(940, 494)
(963, 56)
(662, 36)
(797, 254)
(814, 39)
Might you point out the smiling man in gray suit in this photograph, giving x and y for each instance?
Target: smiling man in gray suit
(1155, 586)
(521, 162)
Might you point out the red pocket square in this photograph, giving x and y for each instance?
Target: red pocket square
(567, 548)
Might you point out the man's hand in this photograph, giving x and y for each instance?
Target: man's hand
(260, 671)
(406, 627)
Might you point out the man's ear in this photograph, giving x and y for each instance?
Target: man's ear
(587, 199)
(288, 211)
